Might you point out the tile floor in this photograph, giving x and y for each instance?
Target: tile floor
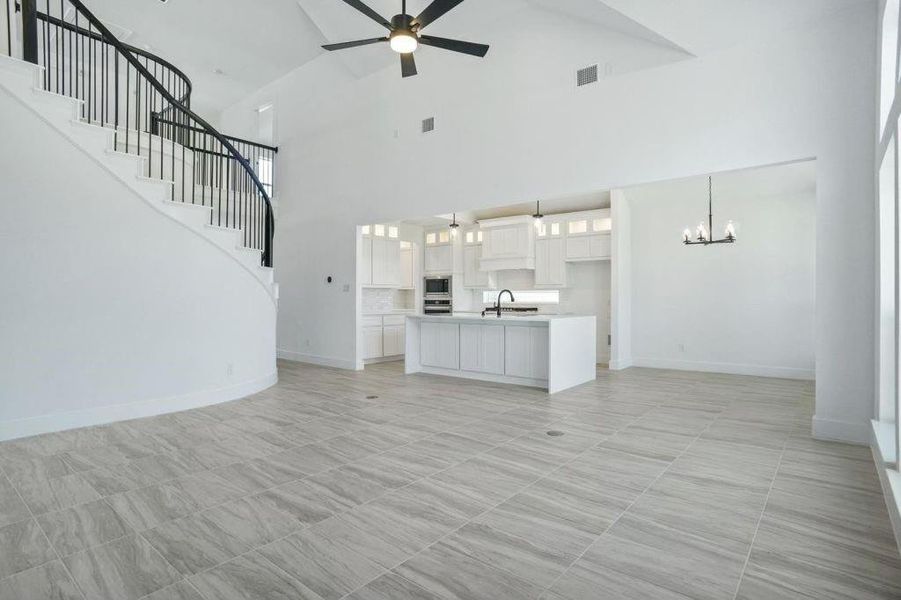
(380, 486)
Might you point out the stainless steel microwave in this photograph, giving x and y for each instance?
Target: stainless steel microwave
(438, 286)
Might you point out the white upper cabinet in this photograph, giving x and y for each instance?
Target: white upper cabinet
(473, 275)
(588, 235)
(550, 262)
(406, 265)
(365, 269)
(439, 253)
(386, 269)
(508, 243)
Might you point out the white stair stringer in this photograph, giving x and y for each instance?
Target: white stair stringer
(24, 81)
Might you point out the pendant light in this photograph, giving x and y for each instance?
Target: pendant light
(454, 226)
(538, 216)
(703, 234)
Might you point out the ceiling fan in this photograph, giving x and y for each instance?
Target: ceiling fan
(405, 36)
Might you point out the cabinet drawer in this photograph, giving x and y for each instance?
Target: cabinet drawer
(394, 320)
(371, 322)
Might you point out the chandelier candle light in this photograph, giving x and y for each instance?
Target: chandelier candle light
(454, 226)
(702, 233)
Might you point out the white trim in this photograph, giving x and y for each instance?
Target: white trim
(489, 377)
(841, 431)
(384, 359)
(133, 410)
(730, 368)
(322, 361)
(889, 478)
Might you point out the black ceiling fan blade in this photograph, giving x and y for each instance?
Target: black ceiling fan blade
(369, 13)
(407, 64)
(434, 11)
(344, 45)
(455, 45)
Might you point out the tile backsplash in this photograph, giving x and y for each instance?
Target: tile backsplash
(379, 301)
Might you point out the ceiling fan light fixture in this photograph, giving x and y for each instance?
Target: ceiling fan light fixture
(403, 42)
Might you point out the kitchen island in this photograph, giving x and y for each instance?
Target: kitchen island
(553, 352)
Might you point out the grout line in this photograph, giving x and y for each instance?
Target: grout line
(46, 537)
(744, 566)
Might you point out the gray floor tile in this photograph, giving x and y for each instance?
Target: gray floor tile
(125, 569)
(83, 527)
(24, 547)
(392, 587)
(148, 507)
(588, 581)
(450, 575)
(195, 543)
(180, 591)
(252, 521)
(250, 577)
(12, 509)
(45, 495)
(47, 582)
(327, 567)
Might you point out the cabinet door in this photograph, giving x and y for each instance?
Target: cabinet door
(526, 352)
(439, 345)
(542, 262)
(472, 276)
(406, 268)
(599, 246)
(366, 262)
(557, 262)
(469, 347)
(372, 342)
(439, 259)
(577, 247)
(482, 348)
(393, 343)
(380, 274)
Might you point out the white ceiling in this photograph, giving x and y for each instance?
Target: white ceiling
(255, 43)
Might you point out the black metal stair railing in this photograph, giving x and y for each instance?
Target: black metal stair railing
(146, 101)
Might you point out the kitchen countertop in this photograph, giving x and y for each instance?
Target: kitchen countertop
(492, 317)
(396, 311)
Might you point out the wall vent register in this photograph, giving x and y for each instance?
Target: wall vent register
(587, 75)
(428, 125)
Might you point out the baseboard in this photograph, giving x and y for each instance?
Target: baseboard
(133, 410)
(728, 368)
(889, 477)
(384, 359)
(322, 361)
(619, 365)
(841, 431)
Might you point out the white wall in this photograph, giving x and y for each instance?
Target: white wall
(108, 308)
(500, 138)
(746, 308)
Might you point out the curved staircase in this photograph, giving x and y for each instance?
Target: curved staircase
(130, 112)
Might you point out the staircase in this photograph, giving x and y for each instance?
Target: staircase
(129, 111)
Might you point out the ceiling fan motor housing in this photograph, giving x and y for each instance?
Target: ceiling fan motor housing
(403, 23)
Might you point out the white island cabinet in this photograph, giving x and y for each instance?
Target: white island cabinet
(554, 352)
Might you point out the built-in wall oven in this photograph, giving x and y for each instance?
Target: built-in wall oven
(438, 296)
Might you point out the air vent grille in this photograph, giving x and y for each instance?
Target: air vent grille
(587, 75)
(428, 125)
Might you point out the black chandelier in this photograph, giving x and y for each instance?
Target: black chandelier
(703, 235)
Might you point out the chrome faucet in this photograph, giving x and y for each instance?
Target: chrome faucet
(497, 306)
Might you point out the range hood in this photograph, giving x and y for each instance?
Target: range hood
(508, 243)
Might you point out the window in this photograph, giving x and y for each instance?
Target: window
(379, 230)
(430, 238)
(526, 297)
(444, 236)
(600, 224)
(542, 230)
(470, 237)
(264, 172)
(555, 228)
(479, 236)
(576, 227)
(889, 60)
(366, 229)
(392, 232)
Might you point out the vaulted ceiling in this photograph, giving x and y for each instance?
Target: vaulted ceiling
(230, 48)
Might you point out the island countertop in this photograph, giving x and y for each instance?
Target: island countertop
(491, 317)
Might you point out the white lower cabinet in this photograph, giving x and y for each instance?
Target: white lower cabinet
(372, 342)
(482, 348)
(439, 345)
(393, 340)
(526, 352)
